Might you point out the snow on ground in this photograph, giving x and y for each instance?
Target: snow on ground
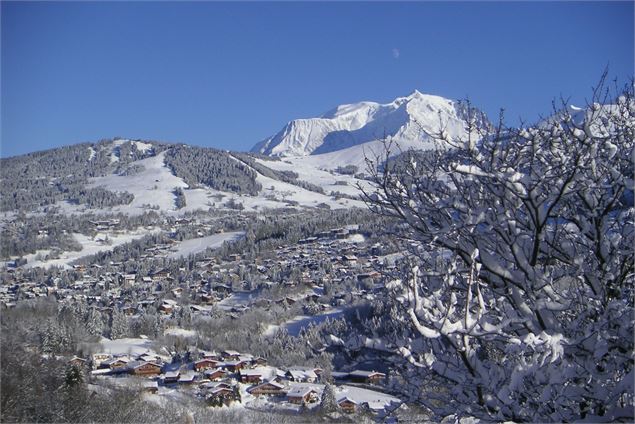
(153, 186)
(90, 246)
(360, 396)
(324, 178)
(237, 300)
(357, 394)
(285, 191)
(356, 238)
(295, 325)
(142, 147)
(182, 332)
(92, 153)
(127, 346)
(197, 245)
(356, 155)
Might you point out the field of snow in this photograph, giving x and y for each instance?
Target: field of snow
(319, 176)
(357, 394)
(197, 245)
(295, 325)
(90, 246)
(127, 346)
(237, 300)
(356, 155)
(285, 191)
(153, 186)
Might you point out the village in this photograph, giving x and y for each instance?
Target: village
(316, 277)
(328, 258)
(231, 377)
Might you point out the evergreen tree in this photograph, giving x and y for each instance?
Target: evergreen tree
(119, 327)
(94, 322)
(328, 403)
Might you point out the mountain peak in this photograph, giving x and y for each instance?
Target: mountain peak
(357, 123)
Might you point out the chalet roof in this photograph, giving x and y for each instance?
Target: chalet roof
(136, 364)
(219, 390)
(231, 363)
(186, 377)
(365, 374)
(215, 370)
(302, 373)
(269, 383)
(300, 391)
(200, 361)
(253, 372)
(172, 374)
(346, 399)
(115, 360)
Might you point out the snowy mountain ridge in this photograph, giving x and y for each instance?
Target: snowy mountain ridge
(345, 126)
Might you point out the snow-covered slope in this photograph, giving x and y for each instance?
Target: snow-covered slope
(404, 119)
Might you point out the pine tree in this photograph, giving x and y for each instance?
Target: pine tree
(119, 327)
(94, 323)
(328, 403)
(73, 377)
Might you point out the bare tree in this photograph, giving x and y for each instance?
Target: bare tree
(519, 297)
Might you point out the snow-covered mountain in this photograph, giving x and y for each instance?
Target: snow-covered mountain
(404, 119)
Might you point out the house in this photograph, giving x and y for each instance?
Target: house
(171, 377)
(259, 361)
(250, 376)
(167, 306)
(78, 362)
(349, 259)
(98, 358)
(222, 395)
(304, 375)
(144, 368)
(205, 364)
(186, 378)
(233, 366)
(159, 275)
(148, 358)
(150, 386)
(231, 355)
(209, 355)
(267, 388)
(115, 363)
(371, 377)
(208, 385)
(347, 404)
(129, 278)
(216, 374)
(299, 395)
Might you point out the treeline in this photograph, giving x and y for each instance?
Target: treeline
(46, 177)
(97, 198)
(213, 168)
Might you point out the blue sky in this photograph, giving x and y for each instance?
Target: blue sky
(228, 75)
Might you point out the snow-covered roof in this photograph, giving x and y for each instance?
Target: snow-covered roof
(300, 391)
